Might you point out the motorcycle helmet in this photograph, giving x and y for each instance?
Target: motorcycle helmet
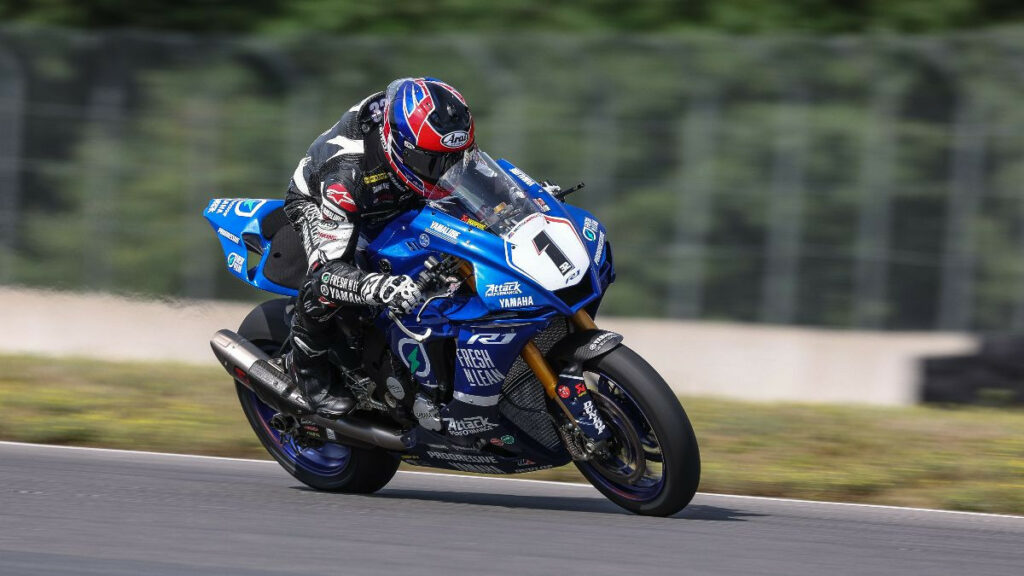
(427, 128)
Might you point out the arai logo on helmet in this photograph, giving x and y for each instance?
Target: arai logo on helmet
(455, 139)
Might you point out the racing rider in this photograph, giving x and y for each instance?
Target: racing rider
(383, 158)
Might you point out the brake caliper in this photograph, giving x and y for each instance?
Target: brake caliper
(572, 393)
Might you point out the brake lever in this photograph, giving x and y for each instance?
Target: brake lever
(406, 331)
(427, 303)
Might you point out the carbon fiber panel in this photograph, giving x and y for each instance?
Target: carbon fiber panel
(522, 396)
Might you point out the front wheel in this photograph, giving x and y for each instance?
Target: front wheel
(652, 466)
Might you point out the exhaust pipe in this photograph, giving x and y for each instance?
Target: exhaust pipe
(250, 366)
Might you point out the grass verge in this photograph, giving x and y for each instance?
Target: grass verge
(960, 459)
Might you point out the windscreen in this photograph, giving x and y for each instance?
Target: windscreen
(481, 190)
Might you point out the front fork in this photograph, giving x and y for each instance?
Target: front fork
(569, 391)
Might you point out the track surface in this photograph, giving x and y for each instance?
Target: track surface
(80, 511)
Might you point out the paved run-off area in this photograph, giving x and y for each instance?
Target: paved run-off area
(85, 511)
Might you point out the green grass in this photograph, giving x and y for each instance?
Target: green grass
(961, 459)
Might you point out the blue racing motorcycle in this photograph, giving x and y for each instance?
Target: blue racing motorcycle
(499, 370)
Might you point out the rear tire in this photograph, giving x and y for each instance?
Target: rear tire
(331, 468)
(644, 402)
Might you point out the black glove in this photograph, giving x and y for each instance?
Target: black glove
(399, 293)
(330, 285)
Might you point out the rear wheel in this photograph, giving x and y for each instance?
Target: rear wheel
(330, 467)
(653, 464)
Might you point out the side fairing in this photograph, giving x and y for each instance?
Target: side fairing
(238, 224)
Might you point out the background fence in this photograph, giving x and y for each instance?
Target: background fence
(854, 182)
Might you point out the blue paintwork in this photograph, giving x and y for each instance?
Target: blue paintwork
(481, 363)
(231, 218)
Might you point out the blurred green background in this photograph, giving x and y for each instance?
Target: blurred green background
(754, 161)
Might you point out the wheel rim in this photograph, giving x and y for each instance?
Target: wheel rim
(327, 460)
(635, 467)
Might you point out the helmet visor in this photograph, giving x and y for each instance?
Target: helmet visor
(430, 165)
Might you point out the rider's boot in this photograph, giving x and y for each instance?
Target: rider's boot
(310, 368)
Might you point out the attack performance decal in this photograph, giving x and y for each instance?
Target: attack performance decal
(478, 367)
(505, 289)
(468, 426)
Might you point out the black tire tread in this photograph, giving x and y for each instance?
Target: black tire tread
(671, 425)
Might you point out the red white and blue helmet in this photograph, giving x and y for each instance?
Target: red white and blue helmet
(427, 129)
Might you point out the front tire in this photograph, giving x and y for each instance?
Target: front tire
(654, 465)
(331, 467)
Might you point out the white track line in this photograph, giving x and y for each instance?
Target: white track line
(526, 480)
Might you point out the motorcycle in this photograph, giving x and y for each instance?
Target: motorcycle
(500, 369)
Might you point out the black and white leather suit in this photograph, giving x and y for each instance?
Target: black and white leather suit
(341, 191)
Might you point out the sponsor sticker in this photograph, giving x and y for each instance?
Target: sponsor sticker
(444, 232)
(341, 197)
(599, 341)
(522, 176)
(468, 426)
(491, 338)
(541, 204)
(516, 302)
(414, 356)
(506, 289)
(424, 240)
(563, 392)
(228, 235)
(590, 227)
(478, 367)
(236, 262)
(595, 418)
(222, 206)
(456, 139)
(479, 468)
(600, 249)
(473, 223)
(472, 458)
(374, 178)
(248, 208)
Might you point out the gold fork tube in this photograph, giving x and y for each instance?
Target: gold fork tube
(582, 320)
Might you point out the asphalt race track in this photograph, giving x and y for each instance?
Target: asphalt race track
(82, 511)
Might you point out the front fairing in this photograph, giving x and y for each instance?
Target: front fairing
(532, 254)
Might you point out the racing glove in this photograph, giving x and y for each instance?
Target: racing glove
(399, 293)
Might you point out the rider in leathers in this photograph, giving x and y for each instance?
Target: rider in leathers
(381, 159)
